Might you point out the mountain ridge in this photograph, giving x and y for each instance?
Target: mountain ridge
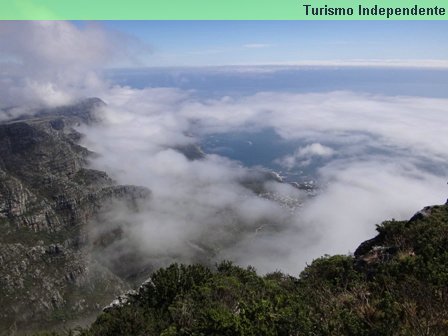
(47, 198)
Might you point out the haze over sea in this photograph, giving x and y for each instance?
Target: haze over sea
(371, 139)
(265, 147)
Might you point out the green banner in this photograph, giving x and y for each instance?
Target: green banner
(224, 10)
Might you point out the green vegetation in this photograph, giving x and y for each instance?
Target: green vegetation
(395, 284)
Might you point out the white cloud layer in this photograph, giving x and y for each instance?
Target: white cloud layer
(384, 156)
(372, 63)
(390, 161)
(303, 155)
(51, 63)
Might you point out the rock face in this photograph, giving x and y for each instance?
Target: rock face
(47, 199)
(405, 238)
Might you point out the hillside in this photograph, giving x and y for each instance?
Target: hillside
(394, 284)
(47, 199)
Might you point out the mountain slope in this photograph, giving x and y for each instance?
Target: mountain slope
(395, 284)
(47, 199)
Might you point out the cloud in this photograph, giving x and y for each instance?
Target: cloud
(315, 149)
(383, 157)
(303, 155)
(51, 63)
(372, 63)
(379, 156)
(346, 118)
(195, 205)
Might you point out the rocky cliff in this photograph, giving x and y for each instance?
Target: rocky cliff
(47, 199)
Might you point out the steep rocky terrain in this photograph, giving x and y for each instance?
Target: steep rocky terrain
(47, 199)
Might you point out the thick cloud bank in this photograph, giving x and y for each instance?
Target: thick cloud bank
(50, 63)
(385, 157)
(377, 157)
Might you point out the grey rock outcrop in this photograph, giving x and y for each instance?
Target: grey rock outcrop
(47, 199)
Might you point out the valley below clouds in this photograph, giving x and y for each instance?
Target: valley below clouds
(383, 156)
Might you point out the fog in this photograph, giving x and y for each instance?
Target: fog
(379, 157)
(51, 63)
(390, 161)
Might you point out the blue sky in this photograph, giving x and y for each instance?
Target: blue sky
(199, 43)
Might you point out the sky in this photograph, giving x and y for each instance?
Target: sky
(201, 43)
